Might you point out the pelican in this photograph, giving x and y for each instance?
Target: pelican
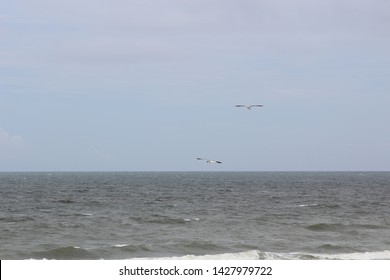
(250, 106)
(209, 160)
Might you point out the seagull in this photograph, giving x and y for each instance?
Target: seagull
(250, 106)
(209, 160)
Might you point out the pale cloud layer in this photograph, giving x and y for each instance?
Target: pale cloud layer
(151, 84)
(12, 150)
(8, 141)
(126, 31)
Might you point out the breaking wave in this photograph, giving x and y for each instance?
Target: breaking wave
(258, 255)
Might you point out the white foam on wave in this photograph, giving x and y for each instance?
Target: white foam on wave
(191, 219)
(86, 214)
(308, 205)
(120, 245)
(380, 255)
(247, 255)
(258, 255)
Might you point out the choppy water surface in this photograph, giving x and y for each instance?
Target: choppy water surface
(239, 215)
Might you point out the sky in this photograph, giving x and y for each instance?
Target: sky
(149, 85)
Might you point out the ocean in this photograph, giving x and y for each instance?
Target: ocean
(194, 215)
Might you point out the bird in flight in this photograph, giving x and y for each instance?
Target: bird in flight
(209, 160)
(250, 106)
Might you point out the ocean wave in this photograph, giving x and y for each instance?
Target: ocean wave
(322, 227)
(64, 253)
(64, 201)
(160, 219)
(248, 255)
(191, 219)
(381, 255)
(325, 227)
(132, 248)
(258, 255)
(80, 214)
(83, 214)
(308, 205)
(77, 253)
(15, 219)
(335, 248)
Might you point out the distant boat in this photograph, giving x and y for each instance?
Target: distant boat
(209, 160)
(250, 106)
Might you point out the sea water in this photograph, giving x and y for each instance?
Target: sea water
(195, 215)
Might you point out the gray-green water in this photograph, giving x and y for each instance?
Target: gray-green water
(294, 215)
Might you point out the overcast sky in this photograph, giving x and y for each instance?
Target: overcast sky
(149, 85)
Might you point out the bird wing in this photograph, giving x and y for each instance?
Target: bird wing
(240, 105)
(209, 160)
(214, 161)
(256, 105)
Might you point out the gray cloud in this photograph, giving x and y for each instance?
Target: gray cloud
(161, 59)
(145, 30)
(11, 146)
